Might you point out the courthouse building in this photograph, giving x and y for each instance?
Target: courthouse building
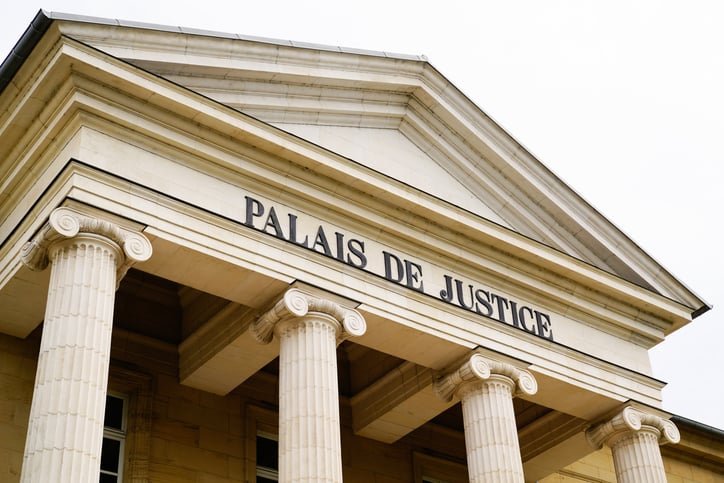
(233, 259)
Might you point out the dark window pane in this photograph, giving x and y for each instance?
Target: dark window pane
(110, 452)
(261, 479)
(114, 413)
(108, 478)
(267, 453)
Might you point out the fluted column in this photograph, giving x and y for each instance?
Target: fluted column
(309, 329)
(87, 257)
(634, 437)
(486, 389)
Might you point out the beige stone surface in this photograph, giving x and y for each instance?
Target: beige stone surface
(634, 436)
(169, 131)
(88, 257)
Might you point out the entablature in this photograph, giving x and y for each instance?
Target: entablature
(235, 146)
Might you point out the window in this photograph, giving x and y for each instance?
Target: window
(114, 438)
(136, 393)
(433, 469)
(267, 457)
(262, 445)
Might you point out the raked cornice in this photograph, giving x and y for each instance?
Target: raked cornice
(177, 52)
(146, 105)
(467, 151)
(232, 55)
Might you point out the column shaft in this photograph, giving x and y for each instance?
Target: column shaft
(637, 458)
(491, 438)
(634, 436)
(309, 434)
(88, 256)
(308, 328)
(486, 389)
(66, 418)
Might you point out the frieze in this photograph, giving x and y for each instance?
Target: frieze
(281, 222)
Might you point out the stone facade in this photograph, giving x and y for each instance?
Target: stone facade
(197, 436)
(262, 261)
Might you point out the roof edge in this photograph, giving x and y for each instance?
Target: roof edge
(49, 16)
(43, 20)
(690, 423)
(30, 38)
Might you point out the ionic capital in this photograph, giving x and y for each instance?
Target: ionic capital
(479, 368)
(629, 420)
(65, 223)
(296, 303)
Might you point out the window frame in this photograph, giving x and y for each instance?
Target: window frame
(138, 389)
(118, 434)
(438, 469)
(259, 421)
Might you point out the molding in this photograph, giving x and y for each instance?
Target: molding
(396, 404)
(548, 431)
(518, 249)
(347, 68)
(221, 329)
(700, 445)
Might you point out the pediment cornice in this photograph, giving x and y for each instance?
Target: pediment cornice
(289, 82)
(70, 78)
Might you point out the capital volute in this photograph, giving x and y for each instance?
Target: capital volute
(297, 304)
(65, 223)
(479, 368)
(631, 420)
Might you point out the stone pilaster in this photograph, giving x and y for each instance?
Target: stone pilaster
(309, 329)
(87, 257)
(486, 389)
(634, 437)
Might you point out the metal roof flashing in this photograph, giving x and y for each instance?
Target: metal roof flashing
(30, 38)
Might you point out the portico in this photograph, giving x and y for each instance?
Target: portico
(489, 319)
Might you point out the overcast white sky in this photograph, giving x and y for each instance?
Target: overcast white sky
(624, 100)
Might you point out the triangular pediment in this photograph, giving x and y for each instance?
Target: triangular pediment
(389, 152)
(321, 93)
(432, 147)
(397, 120)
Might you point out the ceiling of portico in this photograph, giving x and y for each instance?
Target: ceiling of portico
(151, 311)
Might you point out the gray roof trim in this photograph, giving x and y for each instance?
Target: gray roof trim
(226, 35)
(22, 48)
(686, 422)
(43, 19)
